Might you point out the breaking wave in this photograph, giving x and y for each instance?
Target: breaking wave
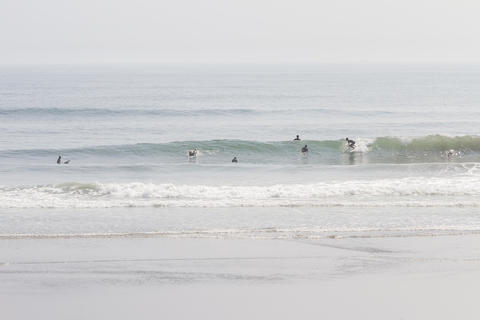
(418, 191)
(384, 149)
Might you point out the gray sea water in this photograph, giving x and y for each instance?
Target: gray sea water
(127, 130)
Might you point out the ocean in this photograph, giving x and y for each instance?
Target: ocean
(127, 130)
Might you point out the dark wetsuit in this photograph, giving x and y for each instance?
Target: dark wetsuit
(351, 143)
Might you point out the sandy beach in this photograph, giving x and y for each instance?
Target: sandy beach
(118, 278)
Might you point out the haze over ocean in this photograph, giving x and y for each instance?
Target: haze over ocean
(104, 215)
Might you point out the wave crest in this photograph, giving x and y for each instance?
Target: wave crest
(381, 149)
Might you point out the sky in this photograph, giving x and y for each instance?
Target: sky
(240, 31)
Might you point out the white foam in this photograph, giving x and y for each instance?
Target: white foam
(417, 191)
(362, 144)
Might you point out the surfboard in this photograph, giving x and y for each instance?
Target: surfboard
(349, 149)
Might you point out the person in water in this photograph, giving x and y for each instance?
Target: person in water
(235, 159)
(297, 138)
(192, 153)
(59, 160)
(351, 143)
(305, 149)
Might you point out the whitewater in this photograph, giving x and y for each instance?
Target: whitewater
(400, 192)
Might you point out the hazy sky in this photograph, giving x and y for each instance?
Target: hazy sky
(208, 31)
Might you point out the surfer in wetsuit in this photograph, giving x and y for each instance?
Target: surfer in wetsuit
(305, 149)
(235, 159)
(297, 138)
(192, 153)
(59, 160)
(351, 143)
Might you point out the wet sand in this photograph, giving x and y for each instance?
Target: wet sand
(124, 278)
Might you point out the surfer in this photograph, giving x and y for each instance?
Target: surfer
(297, 138)
(193, 153)
(235, 159)
(59, 160)
(351, 143)
(305, 149)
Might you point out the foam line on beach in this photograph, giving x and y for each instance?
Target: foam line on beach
(268, 233)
